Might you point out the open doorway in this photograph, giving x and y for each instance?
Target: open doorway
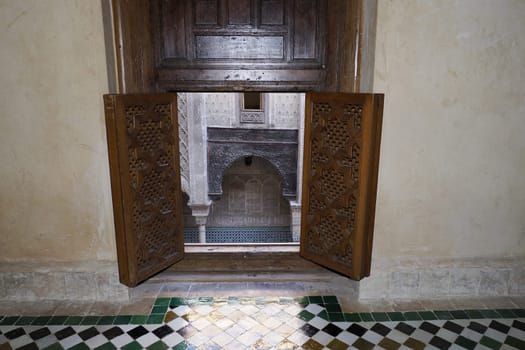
(241, 167)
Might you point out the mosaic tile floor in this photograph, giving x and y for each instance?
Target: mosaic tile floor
(267, 323)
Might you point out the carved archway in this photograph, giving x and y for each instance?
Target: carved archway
(279, 147)
(252, 207)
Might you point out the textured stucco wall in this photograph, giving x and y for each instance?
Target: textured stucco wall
(453, 149)
(281, 110)
(55, 200)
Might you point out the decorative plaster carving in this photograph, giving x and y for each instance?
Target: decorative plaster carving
(252, 117)
(285, 110)
(279, 147)
(252, 197)
(182, 111)
(220, 109)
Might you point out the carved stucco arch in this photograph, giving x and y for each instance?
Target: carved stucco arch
(278, 147)
(272, 164)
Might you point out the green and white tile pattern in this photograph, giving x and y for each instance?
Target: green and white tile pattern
(315, 322)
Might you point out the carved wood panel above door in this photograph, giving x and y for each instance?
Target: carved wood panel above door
(245, 32)
(238, 45)
(223, 42)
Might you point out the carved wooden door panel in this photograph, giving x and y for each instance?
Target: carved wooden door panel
(144, 165)
(341, 156)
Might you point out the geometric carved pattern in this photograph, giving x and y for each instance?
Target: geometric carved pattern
(320, 109)
(335, 172)
(150, 154)
(144, 163)
(338, 134)
(252, 117)
(182, 113)
(341, 149)
(355, 113)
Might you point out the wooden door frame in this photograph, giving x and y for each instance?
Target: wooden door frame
(130, 48)
(350, 51)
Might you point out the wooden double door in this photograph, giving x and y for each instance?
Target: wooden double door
(340, 169)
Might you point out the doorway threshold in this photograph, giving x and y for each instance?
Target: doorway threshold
(241, 247)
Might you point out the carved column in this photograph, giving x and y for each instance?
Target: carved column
(201, 212)
(198, 167)
(300, 148)
(295, 206)
(182, 112)
(295, 220)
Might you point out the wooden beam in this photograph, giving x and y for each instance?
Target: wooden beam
(134, 46)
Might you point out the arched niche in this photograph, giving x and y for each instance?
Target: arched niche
(279, 147)
(252, 196)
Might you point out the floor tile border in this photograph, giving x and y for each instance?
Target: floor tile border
(332, 312)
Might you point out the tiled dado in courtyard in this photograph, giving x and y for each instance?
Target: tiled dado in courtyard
(315, 322)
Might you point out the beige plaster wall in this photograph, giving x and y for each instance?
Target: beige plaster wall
(55, 201)
(452, 169)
